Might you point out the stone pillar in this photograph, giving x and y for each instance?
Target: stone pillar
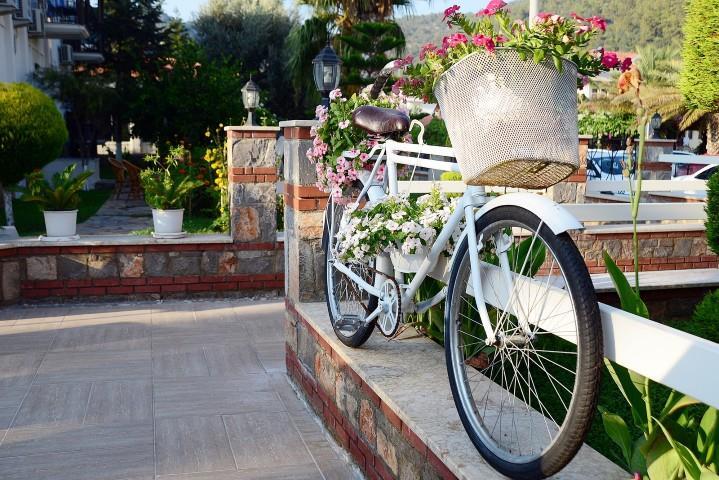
(572, 189)
(304, 213)
(252, 169)
(652, 168)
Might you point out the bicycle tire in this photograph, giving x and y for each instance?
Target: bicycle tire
(581, 408)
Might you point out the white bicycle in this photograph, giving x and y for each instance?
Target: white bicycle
(522, 332)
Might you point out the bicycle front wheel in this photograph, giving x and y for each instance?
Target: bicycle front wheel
(526, 394)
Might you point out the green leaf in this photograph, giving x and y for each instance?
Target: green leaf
(631, 393)
(676, 402)
(538, 56)
(663, 462)
(630, 301)
(638, 462)
(558, 63)
(618, 431)
(691, 464)
(708, 437)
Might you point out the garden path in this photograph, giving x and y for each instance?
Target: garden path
(116, 217)
(182, 391)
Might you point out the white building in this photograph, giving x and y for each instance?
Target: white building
(41, 33)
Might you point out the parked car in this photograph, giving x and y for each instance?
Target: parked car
(702, 174)
(605, 164)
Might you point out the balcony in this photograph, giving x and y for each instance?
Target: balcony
(62, 21)
(7, 7)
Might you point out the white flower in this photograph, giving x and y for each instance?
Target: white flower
(344, 124)
(427, 233)
(335, 94)
(398, 215)
(392, 226)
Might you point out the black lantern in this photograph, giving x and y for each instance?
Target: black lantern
(326, 71)
(251, 100)
(656, 124)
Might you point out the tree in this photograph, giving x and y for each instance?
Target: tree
(32, 133)
(712, 209)
(191, 94)
(700, 77)
(134, 43)
(252, 33)
(366, 49)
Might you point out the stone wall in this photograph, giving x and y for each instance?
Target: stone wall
(143, 270)
(379, 442)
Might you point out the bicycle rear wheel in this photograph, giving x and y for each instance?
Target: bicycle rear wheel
(348, 305)
(527, 398)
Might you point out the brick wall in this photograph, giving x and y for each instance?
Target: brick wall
(379, 442)
(147, 271)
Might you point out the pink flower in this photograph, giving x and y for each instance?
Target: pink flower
(582, 29)
(483, 41)
(598, 23)
(542, 17)
(335, 94)
(442, 52)
(492, 8)
(425, 49)
(454, 40)
(397, 86)
(449, 12)
(344, 124)
(380, 172)
(364, 157)
(626, 64)
(577, 17)
(610, 60)
(403, 62)
(309, 154)
(500, 39)
(321, 113)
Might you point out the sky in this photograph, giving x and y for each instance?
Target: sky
(186, 8)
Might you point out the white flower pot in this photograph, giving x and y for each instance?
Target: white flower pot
(410, 263)
(167, 221)
(61, 224)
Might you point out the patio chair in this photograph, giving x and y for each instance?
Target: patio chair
(133, 172)
(119, 170)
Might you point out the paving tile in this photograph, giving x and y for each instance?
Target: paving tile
(179, 361)
(192, 444)
(271, 355)
(54, 405)
(31, 440)
(294, 472)
(49, 314)
(265, 328)
(332, 463)
(263, 440)
(176, 397)
(10, 400)
(94, 366)
(281, 385)
(105, 334)
(134, 462)
(18, 369)
(120, 402)
(35, 337)
(232, 359)
(117, 312)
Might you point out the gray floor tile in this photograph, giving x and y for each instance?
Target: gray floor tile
(281, 384)
(35, 337)
(18, 369)
(271, 355)
(30, 441)
(94, 366)
(120, 402)
(179, 397)
(265, 328)
(264, 440)
(192, 444)
(232, 359)
(332, 463)
(53, 405)
(118, 312)
(92, 335)
(182, 361)
(49, 314)
(133, 462)
(10, 400)
(294, 472)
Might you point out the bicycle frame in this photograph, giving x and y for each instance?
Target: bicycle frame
(473, 198)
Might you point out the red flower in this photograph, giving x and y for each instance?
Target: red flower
(454, 40)
(483, 41)
(402, 62)
(626, 64)
(450, 12)
(577, 17)
(397, 86)
(610, 60)
(426, 48)
(182, 171)
(598, 23)
(492, 8)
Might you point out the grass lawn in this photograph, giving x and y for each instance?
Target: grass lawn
(29, 220)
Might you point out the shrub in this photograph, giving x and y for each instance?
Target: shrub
(32, 131)
(708, 311)
(169, 183)
(701, 55)
(62, 194)
(712, 210)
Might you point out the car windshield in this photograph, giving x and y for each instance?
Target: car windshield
(707, 173)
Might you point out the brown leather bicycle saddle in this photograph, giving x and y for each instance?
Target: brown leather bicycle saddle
(380, 121)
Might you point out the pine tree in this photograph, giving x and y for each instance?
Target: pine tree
(700, 77)
(366, 49)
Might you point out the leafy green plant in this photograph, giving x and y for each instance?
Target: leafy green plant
(61, 194)
(601, 123)
(712, 209)
(167, 184)
(708, 311)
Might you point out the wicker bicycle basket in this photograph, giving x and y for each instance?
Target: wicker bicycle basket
(512, 123)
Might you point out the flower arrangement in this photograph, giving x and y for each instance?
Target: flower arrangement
(396, 222)
(549, 37)
(340, 151)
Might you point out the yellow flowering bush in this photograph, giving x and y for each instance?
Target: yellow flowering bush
(216, 157)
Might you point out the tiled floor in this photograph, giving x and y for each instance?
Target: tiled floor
(172, 391)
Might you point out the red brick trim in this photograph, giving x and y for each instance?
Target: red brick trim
(300, 133)
(140, 248)
(305, 197)
(253, 175)
(656, 166)
(580, 176)
(139, 286)
(344, 432)
(240, 134)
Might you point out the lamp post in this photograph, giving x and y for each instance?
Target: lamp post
(655, 124)
(326, 72)
(89, 140)
(251, 100)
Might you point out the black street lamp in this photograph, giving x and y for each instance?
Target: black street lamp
(326, 70)
(655, 123)
(251, 100)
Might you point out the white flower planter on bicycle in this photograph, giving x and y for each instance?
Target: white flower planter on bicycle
(410, 262)
(512, 123)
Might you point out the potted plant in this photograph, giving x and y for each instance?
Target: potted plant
(167, 185)
(57, 199)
